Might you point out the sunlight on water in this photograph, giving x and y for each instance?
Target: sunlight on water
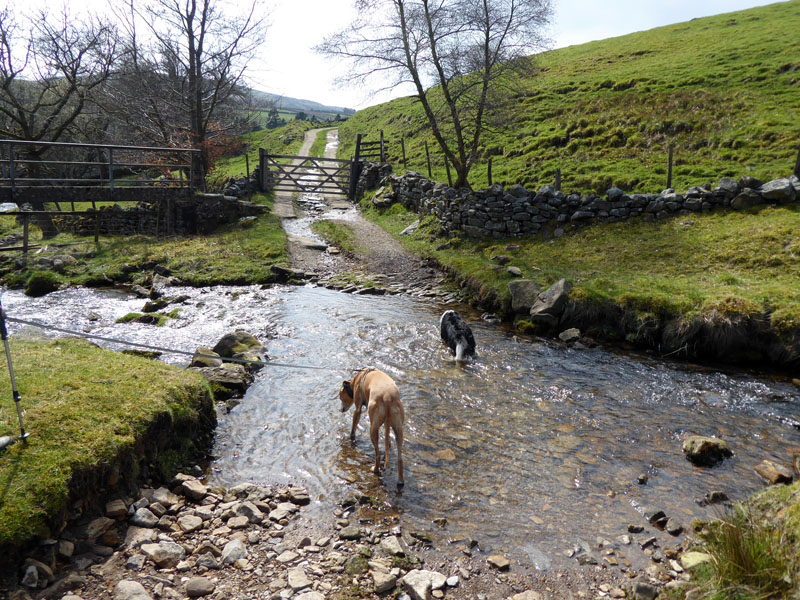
(529, 449)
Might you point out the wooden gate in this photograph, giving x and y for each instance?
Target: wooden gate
(306, 174)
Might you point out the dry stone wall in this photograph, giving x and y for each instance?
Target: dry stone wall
(497, 212)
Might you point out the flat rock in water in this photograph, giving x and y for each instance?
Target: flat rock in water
(774, 474)
(705, 451)
(391, 545)
(194, 489)
(351, 532)
(528, 595)
(298, 579)
(498, 562)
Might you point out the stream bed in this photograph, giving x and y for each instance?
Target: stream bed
(531, 449)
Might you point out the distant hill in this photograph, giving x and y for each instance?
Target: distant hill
(287, 104)
(724, 90)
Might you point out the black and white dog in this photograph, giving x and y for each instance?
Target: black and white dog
(457, 334)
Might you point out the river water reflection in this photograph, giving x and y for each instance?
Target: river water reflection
(528, 449)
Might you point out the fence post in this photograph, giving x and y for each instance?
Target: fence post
(428, 159)
(191, 172)
(358, 147)
(669, 169)
(797, 165)
(25, 219)
(383, 150)
(489, 171)
(403, 148)
(110, 175)
(11, 170)
(558, 179)
(247, 165)
(96, 226)
(447, 166)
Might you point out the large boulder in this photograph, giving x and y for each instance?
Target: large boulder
(779, 190)
(237, 342)
(705, 451)
(523, 295)
(550, 304)
(227, 381)
(748, 198)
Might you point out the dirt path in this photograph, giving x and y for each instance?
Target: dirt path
(385, 257)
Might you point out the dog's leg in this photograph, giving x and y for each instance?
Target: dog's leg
(398, 438)
(374, 434)
(356, 419)
(386, 445)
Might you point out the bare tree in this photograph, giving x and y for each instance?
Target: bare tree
(456, 53)
(50, 71)
(184, 72)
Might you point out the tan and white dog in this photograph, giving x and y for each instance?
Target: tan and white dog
(378, 392)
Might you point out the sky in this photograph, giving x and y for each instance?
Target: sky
(289, 67)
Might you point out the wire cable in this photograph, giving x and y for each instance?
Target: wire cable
(163, 349)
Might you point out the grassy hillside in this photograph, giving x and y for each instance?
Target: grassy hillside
(725, 90)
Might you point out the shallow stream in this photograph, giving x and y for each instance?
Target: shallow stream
(529, 449)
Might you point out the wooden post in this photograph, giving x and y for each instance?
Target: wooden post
(247, 165)
(489, 171)
(358, 147)
(96, 226)
(25, 238)
(191, 172)
(669, 168)
(11, 170)
(447, 166)
(428, 158)
(797, 165)
(110, 175)
(558, 179)
(403, 148)
(383, 149)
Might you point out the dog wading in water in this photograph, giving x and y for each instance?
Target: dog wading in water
(378, 392)
(457, 335)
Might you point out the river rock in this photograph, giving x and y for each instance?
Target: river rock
(310, 596)
(570, 336)
(514, 271)
(774, 474)
(550, 304)
(705, 451)
(199, 586)
(205, 357)
(690, 560)
(164, 554)
(527, 595)
(410, 230)
(144, 517)
(713, 497)
(351, 532)
(523, 295)
(383, 581)
(233, 551)
(236, 343)
(420, 583)
(228, 381)
(116, 509)
(194, 489)
(299, 496)
(130, 590)
(391, 546)
(298, 579)
(98, 527)
(190, 523)
(644, 591)
(136, 536)
(282, 511)
(250, 511)
(499, 562)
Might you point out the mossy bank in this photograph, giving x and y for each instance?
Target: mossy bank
(99, 422)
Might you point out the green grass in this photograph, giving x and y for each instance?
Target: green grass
(283, 140)
(722, 89)
(338, 235)
(318, 147)
(754, 549)
(237, 254)
(711, 265)
(87, 410)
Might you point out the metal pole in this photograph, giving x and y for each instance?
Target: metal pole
(4, 334)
